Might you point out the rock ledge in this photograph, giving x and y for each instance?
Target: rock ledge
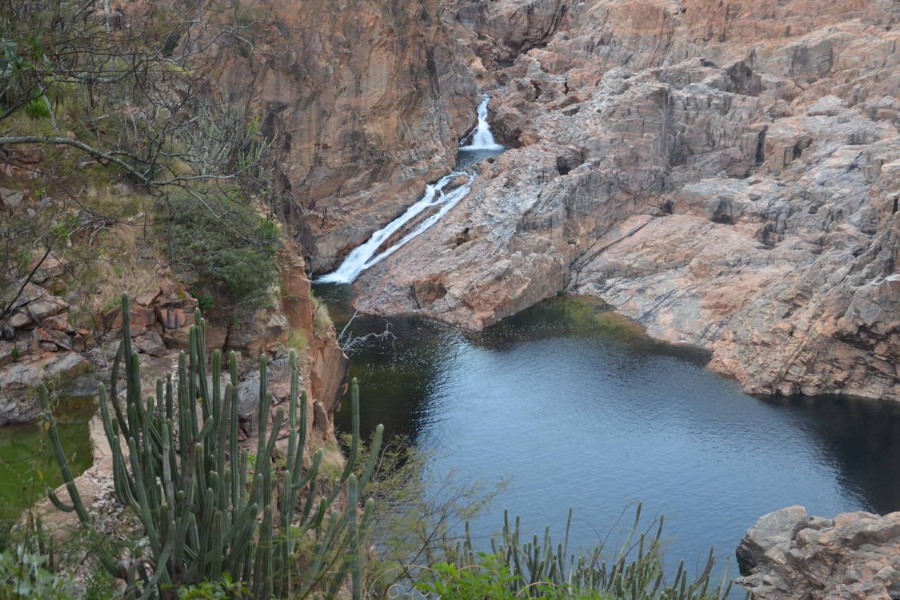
(790, 555)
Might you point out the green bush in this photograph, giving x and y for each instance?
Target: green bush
(489, 578)
(223, 589)
(540, 569)
(224, 249)
(24, 575)
(37, 108)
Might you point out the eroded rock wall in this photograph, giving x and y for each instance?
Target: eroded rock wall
(364, 103)
(725, 173)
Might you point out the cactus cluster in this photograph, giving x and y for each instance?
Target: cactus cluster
(206, 507)
(539, 568)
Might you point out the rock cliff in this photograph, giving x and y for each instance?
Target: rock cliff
(363, 101)
(789, 555)
(725, 173)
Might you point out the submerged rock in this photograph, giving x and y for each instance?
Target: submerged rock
(19, 380)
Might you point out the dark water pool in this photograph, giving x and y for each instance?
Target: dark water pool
(576, 408)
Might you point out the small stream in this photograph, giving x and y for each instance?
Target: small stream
(575, 407)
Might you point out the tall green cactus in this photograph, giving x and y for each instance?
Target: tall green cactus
(539, 568)
(205, 512)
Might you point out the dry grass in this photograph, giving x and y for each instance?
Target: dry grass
(119, 255)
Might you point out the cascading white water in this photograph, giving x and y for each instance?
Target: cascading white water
(482, 138)
(364, 256)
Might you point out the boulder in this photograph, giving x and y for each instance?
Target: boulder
(770, 534)
(11, 199)
(789, 556)
(150, 342)
(38, 304)
(58, 323)
(20, 320)
(248, 403)
(18, 397)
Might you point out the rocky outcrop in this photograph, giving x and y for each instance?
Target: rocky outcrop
(275, 331)
(723, 173)
(788, 555)
(38, 345)
(326, 366)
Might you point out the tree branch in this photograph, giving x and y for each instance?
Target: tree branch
(347, 341)
(38, 139)
(12, 303)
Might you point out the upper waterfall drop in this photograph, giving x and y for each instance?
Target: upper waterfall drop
(481, 136)
(439, 198)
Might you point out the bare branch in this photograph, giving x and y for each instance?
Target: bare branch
(12, 303)
(347, 341)
(96, 153)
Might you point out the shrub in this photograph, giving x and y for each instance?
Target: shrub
(538, 568)
(224, 249)
(26, 568)
(489, 578)
(23, 575)
(37, 108)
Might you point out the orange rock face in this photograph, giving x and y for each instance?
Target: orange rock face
(364, 102)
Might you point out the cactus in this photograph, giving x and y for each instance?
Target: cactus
(537, 568)
(204, 511)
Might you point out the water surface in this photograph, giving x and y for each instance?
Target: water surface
(576, 408)
(27, 464)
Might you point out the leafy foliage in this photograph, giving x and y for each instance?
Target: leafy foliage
(223, 589)
(226, 252)
(538, 568)
(27, 569)
(490, 578)
(24, 575)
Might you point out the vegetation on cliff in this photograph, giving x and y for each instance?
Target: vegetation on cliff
(205, 507)
(111, 118)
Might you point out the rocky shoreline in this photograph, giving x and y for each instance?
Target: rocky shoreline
(726, 178)
(789, 555)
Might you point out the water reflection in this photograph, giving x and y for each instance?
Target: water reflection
(577, 408)
(27, 465)
(862, 435)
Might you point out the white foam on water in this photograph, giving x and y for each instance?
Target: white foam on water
(366, 255)
(482, 138)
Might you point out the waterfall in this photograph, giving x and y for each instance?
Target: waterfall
(364, 256)
(482, 138)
